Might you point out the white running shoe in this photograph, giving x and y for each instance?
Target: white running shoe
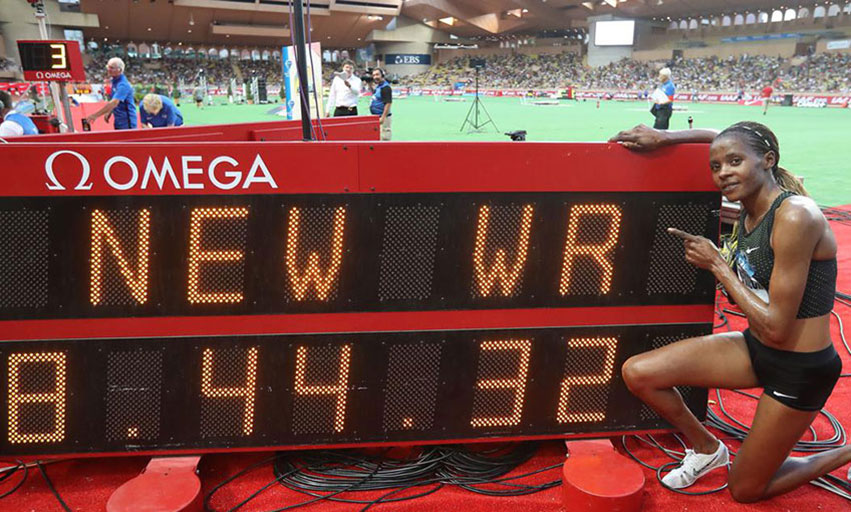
(695, 465)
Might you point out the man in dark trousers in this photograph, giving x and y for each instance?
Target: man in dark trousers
(382, 97)
(663, 100)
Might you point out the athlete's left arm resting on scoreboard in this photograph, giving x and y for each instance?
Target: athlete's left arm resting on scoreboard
(645, 138)
(795, 235)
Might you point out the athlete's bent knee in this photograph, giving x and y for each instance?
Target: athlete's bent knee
(635, 376)
(744, 492)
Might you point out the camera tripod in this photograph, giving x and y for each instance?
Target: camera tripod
(473, 114)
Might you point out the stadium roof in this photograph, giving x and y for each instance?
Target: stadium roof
(347, 23)
(488, 17)
(338, 23)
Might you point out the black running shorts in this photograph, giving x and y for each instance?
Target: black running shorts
(800, 380)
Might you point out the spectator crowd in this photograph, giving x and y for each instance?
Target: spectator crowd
(167, 72)
(826, 72)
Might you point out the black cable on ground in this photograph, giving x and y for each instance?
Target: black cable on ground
(724, 321)
(326, 474)
(11, 472)
(734, 313)
(383, 498)
(470, 470)
(233, 477)
(351, 487)
(332, 470)
(51, 487)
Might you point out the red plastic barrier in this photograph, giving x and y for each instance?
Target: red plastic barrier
(43, 124)
(363, 128)
(86, 109)
(596, 478)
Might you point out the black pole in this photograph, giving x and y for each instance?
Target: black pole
(301, 67)
(476, 101)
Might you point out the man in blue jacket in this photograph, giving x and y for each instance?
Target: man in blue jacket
(121, 104)
(382, 97)
(158, 110)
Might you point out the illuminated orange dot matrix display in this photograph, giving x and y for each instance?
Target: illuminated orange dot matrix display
(500, 271)
(603, 377)
(102, 232)
(322, 282)
(599, 252)
(340, 388)
(518, 382)
(197, 255)
(246, 392)
(16, 397)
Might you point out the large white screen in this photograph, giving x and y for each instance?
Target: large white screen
(614, 33)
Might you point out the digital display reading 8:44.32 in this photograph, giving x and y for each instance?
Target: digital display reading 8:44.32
(197, 393)
(466, 260)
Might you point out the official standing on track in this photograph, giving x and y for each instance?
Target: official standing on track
(663, 100)
(122, 104)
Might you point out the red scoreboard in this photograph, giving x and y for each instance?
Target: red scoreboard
(52, 61)
(200, 297)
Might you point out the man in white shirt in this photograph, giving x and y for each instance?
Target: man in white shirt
(345, 90)
(663, 100)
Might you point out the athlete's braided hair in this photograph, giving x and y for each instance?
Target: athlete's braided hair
(762, 140)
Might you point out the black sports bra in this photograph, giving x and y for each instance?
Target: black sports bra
(755, 260)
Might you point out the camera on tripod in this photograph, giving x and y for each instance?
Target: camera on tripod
(477, 109)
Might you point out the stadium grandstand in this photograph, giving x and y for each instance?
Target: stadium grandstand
(724, 48)
(266, 255)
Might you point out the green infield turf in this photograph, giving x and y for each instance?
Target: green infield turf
(814, 143)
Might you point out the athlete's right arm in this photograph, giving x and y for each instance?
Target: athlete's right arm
(644, 138)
